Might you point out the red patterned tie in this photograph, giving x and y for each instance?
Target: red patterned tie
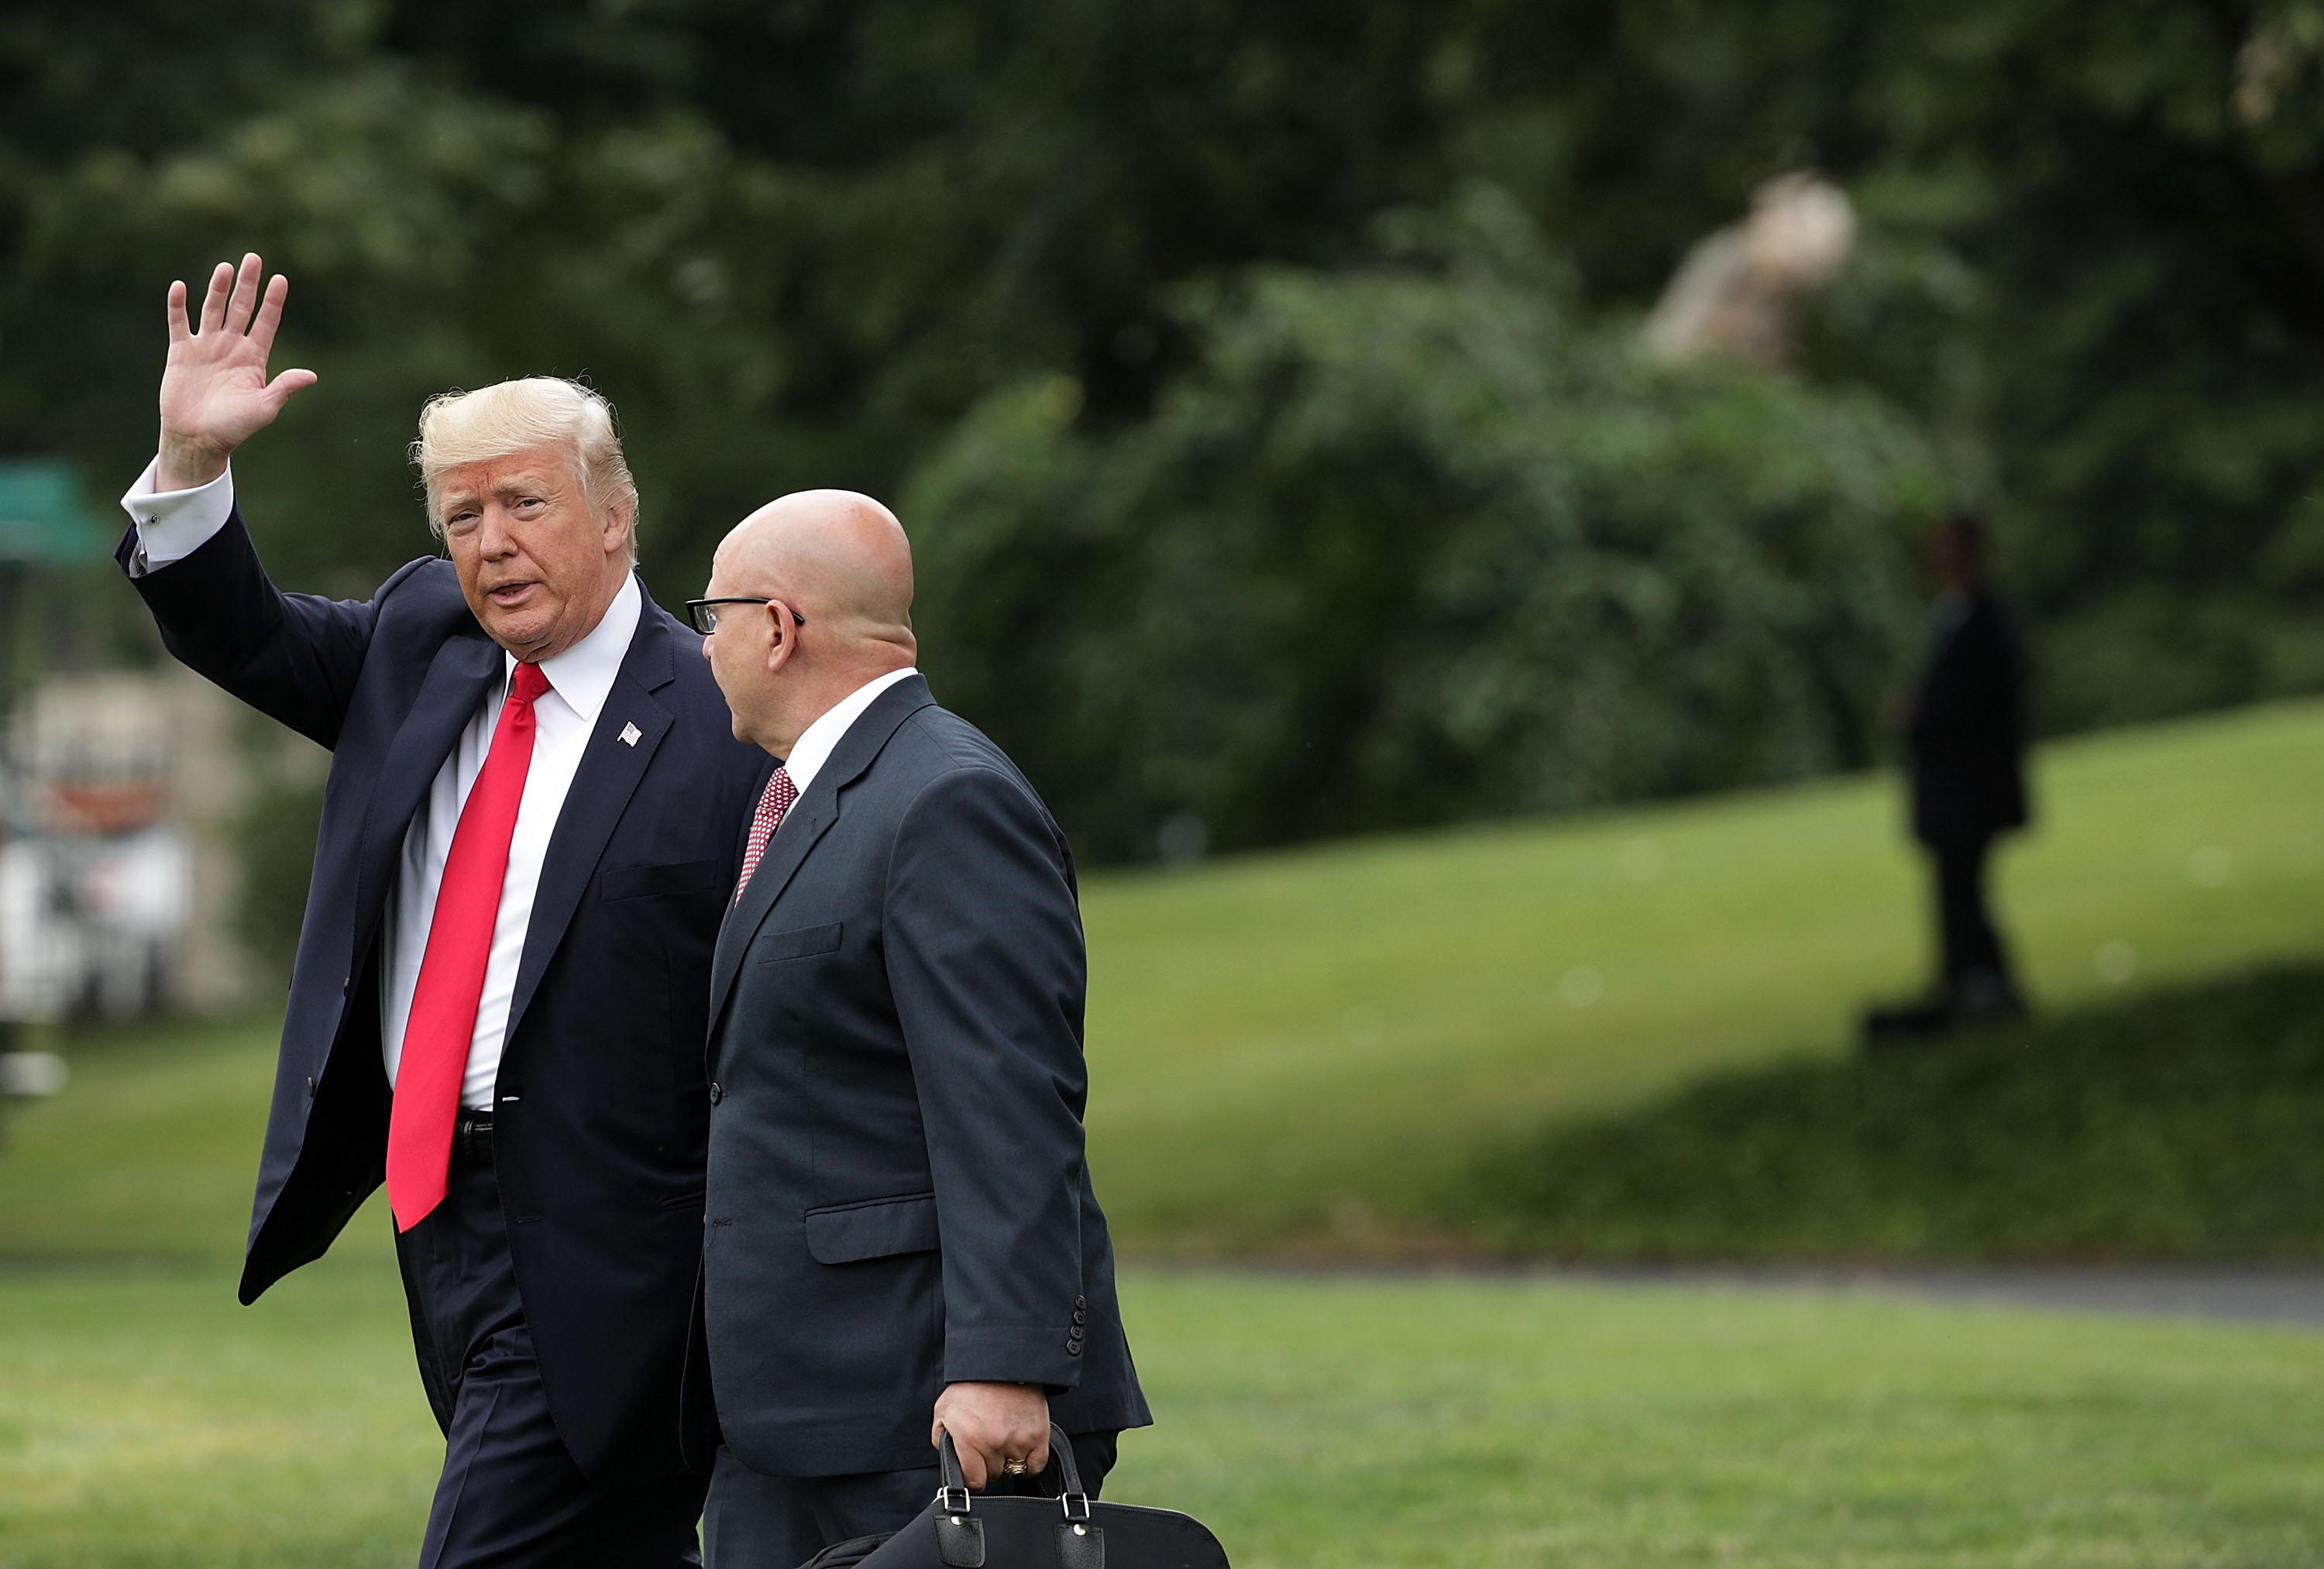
(443, 1020)
(773, 801)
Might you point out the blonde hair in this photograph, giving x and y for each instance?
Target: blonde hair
(456, 428)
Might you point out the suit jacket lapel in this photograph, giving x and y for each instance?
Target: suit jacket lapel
(457, 679)
(601, 787)
(807, 821)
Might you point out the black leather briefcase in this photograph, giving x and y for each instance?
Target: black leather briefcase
(1072, 1531)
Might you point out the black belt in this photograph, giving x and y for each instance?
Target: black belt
(472, 1141)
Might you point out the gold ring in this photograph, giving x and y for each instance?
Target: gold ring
(1013, 1466)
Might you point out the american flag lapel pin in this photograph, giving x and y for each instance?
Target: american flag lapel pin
(630, 734)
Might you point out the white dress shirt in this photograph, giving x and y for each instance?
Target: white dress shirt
(816, 744)
(174, 524)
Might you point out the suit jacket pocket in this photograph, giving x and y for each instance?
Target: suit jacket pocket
(645, 882)
(873, 1229)
(774, 947)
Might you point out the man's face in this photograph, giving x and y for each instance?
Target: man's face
(738, 650)
(538, 567)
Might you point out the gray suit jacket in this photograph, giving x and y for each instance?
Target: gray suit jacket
(896, 1196)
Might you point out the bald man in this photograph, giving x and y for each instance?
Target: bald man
(902, 1239)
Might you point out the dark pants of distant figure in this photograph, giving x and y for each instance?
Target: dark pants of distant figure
(777, 1522)
(1969, 948)
(510, 1496)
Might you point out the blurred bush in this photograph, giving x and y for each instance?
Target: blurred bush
(1408, 541)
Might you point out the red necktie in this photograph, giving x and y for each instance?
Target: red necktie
(773, 801)
(443, 1019)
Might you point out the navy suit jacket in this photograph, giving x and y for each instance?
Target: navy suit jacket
(898, 1198)
(602, 1102)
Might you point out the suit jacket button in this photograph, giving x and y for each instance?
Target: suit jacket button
(1072, 1348)
(1081, 1301)
(717, 1094)
(1080, 1317)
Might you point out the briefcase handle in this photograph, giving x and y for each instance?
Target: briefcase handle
(954, 1496)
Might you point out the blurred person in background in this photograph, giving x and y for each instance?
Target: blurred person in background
(1965, 735)
(532, 828)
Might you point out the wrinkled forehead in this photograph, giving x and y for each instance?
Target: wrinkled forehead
(547, 472)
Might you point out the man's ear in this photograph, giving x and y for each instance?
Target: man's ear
(784, 639)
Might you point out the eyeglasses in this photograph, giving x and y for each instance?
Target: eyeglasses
(704, 613)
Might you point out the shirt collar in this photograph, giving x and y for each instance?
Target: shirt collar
(816, 744)
(583, 675)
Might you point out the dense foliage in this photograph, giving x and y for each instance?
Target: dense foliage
(1405, 543)
(2173, 1125)
(1239, 503)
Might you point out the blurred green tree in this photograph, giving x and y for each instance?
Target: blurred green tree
(826, 244)
(1405, 543)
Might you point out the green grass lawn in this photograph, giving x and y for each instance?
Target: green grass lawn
(1300, 1050)
(2178, 1124)
(152, 1151)
(1273, 1039)
(1301, 1046)
(146, 1421)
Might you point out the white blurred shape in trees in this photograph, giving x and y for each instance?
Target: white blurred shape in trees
(1741, 289)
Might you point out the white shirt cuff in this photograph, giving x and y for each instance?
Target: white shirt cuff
(171, 525)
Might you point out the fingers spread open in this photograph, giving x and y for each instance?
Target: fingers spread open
(213, 302)
(270, 313)
(177, 311)
(245, 294)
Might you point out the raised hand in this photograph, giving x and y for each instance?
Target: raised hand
(214, 394)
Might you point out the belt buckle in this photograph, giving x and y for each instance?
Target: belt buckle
(472, 1137)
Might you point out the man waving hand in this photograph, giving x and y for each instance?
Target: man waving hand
(528, 837)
